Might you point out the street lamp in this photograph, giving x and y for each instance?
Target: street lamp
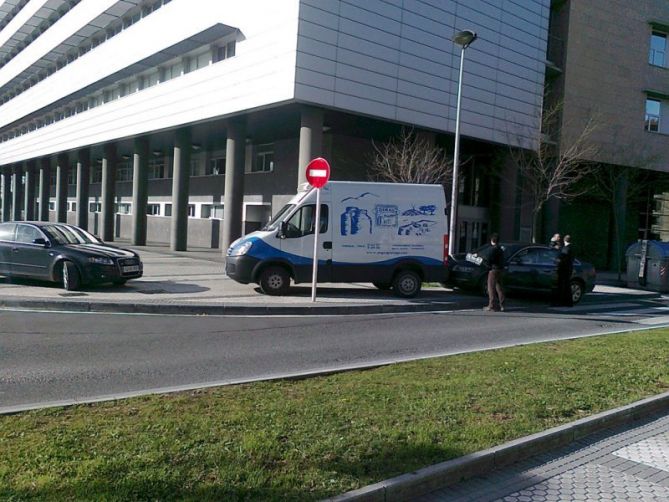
(464, 39)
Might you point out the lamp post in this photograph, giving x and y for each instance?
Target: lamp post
(464, 39)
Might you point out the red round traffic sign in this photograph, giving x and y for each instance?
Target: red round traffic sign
(318, 172)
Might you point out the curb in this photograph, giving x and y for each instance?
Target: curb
(230, 309)
(434, 477)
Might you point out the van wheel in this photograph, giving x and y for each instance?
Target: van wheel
(274, 281)
(383, 286)
(71, 276)
(406, 284)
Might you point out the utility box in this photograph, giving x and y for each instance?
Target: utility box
(648, 266)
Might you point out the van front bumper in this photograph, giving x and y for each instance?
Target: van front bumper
(240, 268)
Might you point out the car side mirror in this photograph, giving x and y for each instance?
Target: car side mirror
(42, 242)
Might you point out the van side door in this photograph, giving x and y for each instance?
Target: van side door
(297, 244)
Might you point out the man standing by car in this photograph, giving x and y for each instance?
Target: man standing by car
(565, 268)
(495, 262)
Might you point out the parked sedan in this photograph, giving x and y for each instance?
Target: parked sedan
(528, 268)
(63, 254)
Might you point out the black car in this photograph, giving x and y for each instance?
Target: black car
(528, 268)
(63, 254)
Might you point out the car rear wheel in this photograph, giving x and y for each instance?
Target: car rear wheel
(577, 290)
(274, 281)
(71, 276)
(406, 284)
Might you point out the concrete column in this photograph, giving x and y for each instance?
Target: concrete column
(62, 168)
(83, 184)
(6, 193)
(44, 188)
(17, 191)
(140, 190)
(234, 183)
(29, 199)
(311, 139)
(180, 182)
(108, 192)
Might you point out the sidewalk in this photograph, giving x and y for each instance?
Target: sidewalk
(194, 282)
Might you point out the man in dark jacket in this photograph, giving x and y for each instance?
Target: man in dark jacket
(565, 268)
(495, 262)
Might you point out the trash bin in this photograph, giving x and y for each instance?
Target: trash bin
(648, 266)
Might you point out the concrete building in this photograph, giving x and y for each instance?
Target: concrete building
(191, 121)
(608, 61)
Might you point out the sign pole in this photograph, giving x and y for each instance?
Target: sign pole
(318, 174)
(317, 229)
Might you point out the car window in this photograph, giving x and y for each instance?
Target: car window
(547, 256)
(526, 257)
(7, 231)
(67, 234)
(27, 234)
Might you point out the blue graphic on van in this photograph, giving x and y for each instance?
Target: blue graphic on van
(361, 196)
(355, 221)
(386, 215)
(421, 211)
(419, 227)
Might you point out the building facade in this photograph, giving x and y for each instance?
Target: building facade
(190, 122)
(608, 62)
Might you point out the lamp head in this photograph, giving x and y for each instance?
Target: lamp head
(464, 38)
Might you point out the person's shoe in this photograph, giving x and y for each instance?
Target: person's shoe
(487, 309)
(501, 308)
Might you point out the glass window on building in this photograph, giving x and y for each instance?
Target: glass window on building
(168, 209)
(96, 174)
(123, 208)
(214, 211)
(653, 108)
(264, 159)
(153, 209)
(201, 60)
(191, 210)
(124, 171)
(72, 176)
(94, 207)
(216, 166)
(152, 79)
(157, 169)
(658, 49)
(72, 207)
(195, 166)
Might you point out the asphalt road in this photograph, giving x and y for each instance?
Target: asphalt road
(58, 358)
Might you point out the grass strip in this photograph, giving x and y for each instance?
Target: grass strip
(309, 439)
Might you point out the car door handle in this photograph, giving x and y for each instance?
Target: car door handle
(327, 245)
(16, 250)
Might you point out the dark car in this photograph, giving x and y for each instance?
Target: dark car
(528, 268)
(64, 254)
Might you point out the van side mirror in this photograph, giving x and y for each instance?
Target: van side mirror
(283, 228)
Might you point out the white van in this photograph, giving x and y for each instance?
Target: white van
(390, 234)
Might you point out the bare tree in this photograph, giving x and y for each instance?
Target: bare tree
(552, 170)
(410, 158)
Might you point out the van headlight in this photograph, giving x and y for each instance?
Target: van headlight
(240, 249)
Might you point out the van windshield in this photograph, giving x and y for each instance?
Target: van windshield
(274, 222)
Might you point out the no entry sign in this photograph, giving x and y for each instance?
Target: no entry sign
(318, 172)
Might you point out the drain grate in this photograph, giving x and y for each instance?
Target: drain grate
(72, 294)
